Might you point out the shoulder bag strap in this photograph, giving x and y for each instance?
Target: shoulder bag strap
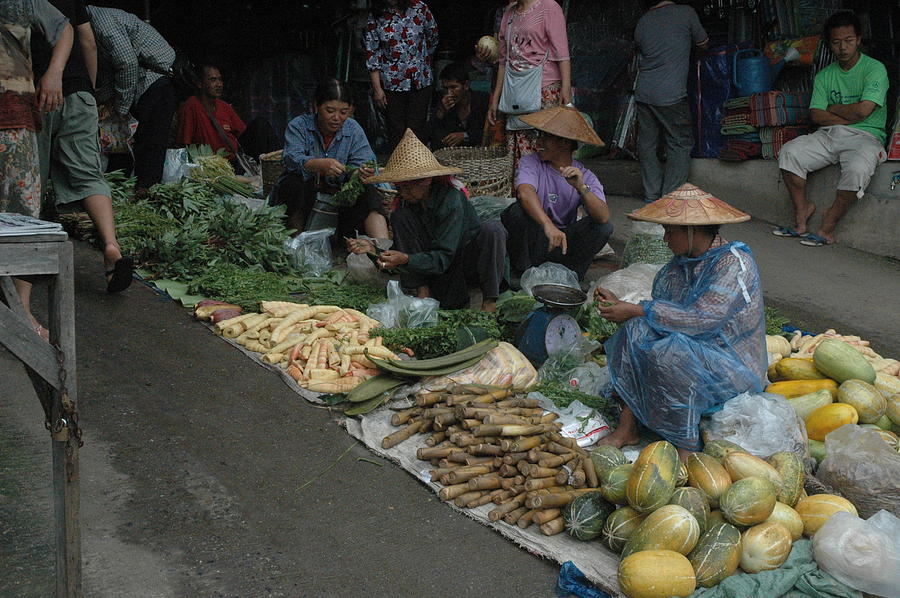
(234, 148)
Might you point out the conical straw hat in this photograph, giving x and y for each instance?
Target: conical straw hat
(411, 160)
(564, 121)
(689, 206)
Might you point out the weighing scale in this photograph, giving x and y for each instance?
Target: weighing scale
(550, 328)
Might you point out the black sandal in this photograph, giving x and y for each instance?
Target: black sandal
(121, 275)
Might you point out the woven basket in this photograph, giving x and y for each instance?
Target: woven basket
(272, 166)
(486, 170)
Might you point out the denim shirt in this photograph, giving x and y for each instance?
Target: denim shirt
(303, 142)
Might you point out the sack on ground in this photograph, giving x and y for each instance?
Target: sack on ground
(502, 366)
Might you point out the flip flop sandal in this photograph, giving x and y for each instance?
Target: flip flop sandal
(786, 232)
(814, 241)
(120, 275)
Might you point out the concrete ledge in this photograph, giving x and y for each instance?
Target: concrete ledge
(755, 186)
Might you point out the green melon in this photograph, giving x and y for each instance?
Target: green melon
(614, 482)
(719, 449)
(647, 489)
(664, 455)
(817, 450)
(682, 478)
(885, 423)
(790, 470)
(840, 362)
(694, 501)
(869, 403)
(716, 555)
(586, 515)
(619, 526)
(748, 501)
(606, 457)
(715, 518)
(668, 528)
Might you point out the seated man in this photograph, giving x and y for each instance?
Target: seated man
(848, 104)
(441, 246)
(700, 340)
(543, 225)
(205, 119)
(459, 117)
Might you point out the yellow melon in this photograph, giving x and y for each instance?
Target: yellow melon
(789, 518)
(764, 547)
(656, 574)
(825, 420)
(815, 510)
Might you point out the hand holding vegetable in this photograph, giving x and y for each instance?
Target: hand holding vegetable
(331, 167)
(601, 294)
(360, 246)
(391, 259)
(620, 311)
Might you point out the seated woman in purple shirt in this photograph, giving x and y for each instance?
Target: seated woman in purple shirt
(543, 224)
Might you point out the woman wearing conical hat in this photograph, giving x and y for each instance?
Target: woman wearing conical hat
(440, 243)
(701, 339)
(551, 186)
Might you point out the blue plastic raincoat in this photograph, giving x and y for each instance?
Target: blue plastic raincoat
(701, 342)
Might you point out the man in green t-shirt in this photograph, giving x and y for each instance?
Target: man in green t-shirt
(848, 104)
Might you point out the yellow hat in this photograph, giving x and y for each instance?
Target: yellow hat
(410, 161)
(689, 206)
(563, 121)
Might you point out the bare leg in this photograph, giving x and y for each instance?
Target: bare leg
(376, 226)
(803, 208)
(626, 434)
(23, 287)
(489, 305)
(99, 208)
(835, 212)
(423, 292)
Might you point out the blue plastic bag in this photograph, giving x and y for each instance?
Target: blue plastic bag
(571, 581)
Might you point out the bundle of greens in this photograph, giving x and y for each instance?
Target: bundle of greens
(645, 249)
(562, 395)
(214, 169)
(774, 321)
(454, 328)
(335, 289)
(597, 327)
(515, 307)
(352, 190)
(245, 287)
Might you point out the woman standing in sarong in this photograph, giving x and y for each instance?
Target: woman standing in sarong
(701, 339)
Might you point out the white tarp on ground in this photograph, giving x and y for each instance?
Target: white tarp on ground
(597, 563)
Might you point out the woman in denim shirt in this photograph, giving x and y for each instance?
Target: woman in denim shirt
(318, 148)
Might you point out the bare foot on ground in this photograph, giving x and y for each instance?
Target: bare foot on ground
(803, 217)
(620, 437)
(829, 237)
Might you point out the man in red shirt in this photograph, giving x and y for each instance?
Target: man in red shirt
(194, 123)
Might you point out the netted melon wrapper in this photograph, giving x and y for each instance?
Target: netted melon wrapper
(502, 366)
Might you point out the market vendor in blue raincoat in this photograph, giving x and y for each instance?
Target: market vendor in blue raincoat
(701, 339)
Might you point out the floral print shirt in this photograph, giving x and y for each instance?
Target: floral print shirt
(401, 47)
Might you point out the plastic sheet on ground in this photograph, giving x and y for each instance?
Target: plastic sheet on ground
(598, 564)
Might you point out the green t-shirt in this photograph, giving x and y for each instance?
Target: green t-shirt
(867, 80)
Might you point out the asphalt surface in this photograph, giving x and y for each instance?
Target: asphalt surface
(204, 475)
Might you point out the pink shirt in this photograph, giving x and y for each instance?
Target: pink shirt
(539, 32)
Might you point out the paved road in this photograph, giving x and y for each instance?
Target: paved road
(194, 457)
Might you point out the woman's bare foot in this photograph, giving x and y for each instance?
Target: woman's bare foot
(111, 254)
(803, 216)
(620, 437)
(683, 454)
(489, 305)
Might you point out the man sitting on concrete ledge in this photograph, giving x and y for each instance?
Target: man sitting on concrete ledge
(543, 226)
(848, 104)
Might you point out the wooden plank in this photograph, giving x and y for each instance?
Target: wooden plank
(17, 335)
(11, 296)
(29, 258)
(65, 467)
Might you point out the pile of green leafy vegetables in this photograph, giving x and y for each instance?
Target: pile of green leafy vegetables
(455, 329)
(563, 395)
(774, 321)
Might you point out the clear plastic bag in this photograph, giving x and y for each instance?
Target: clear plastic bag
(549, 273)
(864, 555)
(311, 251)
(589, 378)
(863, 468)
(578, 421)
(761, 424)
(559, 366)
(632, 284)
(360, 268)
(176, 165)
(403, 311)
(646, 245)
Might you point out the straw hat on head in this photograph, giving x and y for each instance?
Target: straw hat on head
(689, 206)
(563, 121)
(410, 161)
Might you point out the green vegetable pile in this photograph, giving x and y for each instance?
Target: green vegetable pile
(334, 289)
(774, 321)
(454, 328)
(215, 170)
(353, 189)
(645, 249)
(240, 286)
(562, 395)
(515, 307)
(597, 327)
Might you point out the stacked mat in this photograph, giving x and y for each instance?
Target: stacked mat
(741, 135)
(760, 124)
(778, 108)
(774, 138)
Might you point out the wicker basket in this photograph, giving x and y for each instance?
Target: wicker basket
(486, 170)
(272, 166)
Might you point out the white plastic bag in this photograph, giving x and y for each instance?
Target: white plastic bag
(311, 251)
(578, 420)
(864, 555)
(360, 268)
(760, 423)
(549, 273)
(403, 311)
(176, 166)
(632, 284)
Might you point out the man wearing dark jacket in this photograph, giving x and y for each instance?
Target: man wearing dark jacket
(460, 113)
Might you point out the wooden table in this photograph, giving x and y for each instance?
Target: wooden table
(48, 257)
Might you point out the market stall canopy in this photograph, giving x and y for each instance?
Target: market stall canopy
(564, 121)
(411, 161)
(689, 206)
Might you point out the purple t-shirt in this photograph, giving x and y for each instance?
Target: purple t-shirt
(558, 198)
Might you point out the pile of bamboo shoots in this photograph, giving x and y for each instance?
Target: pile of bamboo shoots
(492, 448)
(322, 347)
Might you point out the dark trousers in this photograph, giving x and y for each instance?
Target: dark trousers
(527, 244)
(154, 111)
(481, 261)
(673, 124)
(299, 196)
(407, 109)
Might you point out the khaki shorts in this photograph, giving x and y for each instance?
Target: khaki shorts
(857, 152)
(69, 145)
